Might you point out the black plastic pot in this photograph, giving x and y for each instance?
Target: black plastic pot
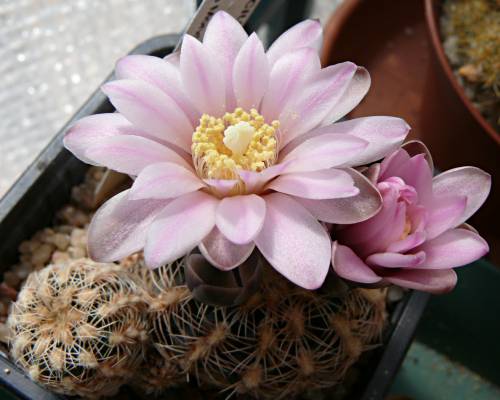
(45, 187)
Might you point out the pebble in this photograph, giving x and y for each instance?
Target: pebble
(11, 279)
(41, 255)
(60, 257)
(61, 241)
(22, 270)
(394, 293)
(77, 252)
(4, 333)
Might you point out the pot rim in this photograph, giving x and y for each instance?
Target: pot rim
(432, 15)
(335, 24)
(340, 18)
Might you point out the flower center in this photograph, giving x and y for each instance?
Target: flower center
(238, 141)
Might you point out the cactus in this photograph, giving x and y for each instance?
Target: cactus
(283, 341)
(79, 328)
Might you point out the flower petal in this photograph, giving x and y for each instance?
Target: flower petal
(393, 163)
(464, 181)
(348, 265)
(151, 110)
(355, 92)
(250, 74)
(414, 171)
(288, 75)
(240, 218)
(294, 242)
(255, 181)
(221, 187)
(89, 130)
(164, 180)
(408, 243)
(161, 74)
(179, 228)
(304, 34)
(349, 210)
(319, 185)
(202, 78)
(319, 96)
(325, 151)
(119, 227)
(222, 253)
(444, 214)
(224, 37)
(396, 260)
(383, 134)
(432, 281)
(414, 147)
(131, 154)
(453, 248)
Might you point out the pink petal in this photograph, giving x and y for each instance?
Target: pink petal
(393, 163)
(368, 231)
(131, 154)
(390, 233)
(88, 132)
(221, 187)
(355, 92)
(414, 171)
(396, 260)
(250, 74)
(224, 37)
(151, 110)
(383, 134)
(161, 74)
(179, 228)
(164, 180)
(453, 248)
(318, 185)
(202, 77)
(305, 34)
(349, 210)
(323, 152)
(255, 181)
(432, 281)
(319, 96)
(410, 242)
(222, 253)
(348, 265)
(414, 147)
(288, 76)
(294, 242)
(174, 59)
(119, 227)
(443, 214)
(471, 182)
(240, 218)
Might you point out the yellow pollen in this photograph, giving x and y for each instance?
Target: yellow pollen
(238, 141)
(406, 229)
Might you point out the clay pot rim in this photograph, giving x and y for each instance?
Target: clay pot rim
(335, 24)
(432, 17)
(340, 18)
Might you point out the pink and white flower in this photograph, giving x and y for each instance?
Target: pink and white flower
(419, 235)
(233, 147)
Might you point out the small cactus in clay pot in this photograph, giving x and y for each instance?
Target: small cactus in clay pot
(78, 328)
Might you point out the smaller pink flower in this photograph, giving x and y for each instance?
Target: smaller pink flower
(419, 235)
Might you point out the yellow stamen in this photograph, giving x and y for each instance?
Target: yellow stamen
(406, 229)
(237, 141)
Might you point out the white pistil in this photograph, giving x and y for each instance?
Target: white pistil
(238, 137)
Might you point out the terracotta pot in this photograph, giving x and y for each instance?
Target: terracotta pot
(411, 79)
